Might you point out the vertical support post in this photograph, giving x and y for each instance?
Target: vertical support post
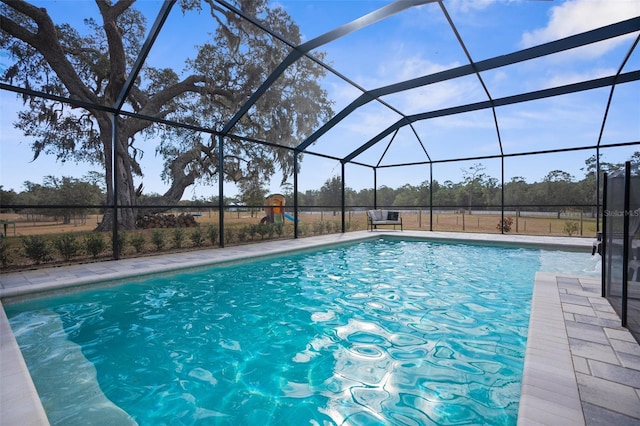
(114, 185)
(606, 262)
(295, 194)
(502, 197)
(581, 222)
(625, 242)
(603, 243)
(375, 188)
(221, 189)
(430, 196)
(598, 190)
(342, 204)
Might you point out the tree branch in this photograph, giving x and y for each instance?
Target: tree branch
(188, 85)
(117, 56)
(47, 42)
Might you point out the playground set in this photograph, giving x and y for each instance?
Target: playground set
(274, 209)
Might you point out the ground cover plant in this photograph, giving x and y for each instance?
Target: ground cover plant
(47, 243)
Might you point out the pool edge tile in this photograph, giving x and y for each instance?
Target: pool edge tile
(539, 405)
(16, 386)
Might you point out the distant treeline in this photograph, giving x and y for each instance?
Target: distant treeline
(558, 190)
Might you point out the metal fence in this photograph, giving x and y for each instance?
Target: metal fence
(621, 247)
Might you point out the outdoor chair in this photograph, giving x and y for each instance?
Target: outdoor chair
(376, 218)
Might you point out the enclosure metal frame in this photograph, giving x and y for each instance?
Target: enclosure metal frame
(303, 50)
(606, 278)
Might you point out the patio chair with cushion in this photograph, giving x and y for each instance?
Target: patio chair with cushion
(383, 217)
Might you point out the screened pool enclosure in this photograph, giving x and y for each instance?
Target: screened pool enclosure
(162, 101)
(620, 248)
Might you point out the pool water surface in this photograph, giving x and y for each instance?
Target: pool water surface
(378, 332)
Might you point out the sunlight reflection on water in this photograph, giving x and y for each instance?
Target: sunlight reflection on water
(381, 332)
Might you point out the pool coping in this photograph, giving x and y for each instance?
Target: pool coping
(549, 366)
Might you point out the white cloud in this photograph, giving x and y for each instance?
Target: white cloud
(577, 16)
(575, 77)
(468, 5)
(403, 68)
(342, 93)
(422, 98)
(436, 96)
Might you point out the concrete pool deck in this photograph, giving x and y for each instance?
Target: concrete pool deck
(581, 367)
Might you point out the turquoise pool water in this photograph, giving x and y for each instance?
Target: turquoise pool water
(381, 332)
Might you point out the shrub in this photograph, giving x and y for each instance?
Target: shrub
(36, 249)
(197, 237)
(229, 235)
(318, 227)
(157, 239)
(571, 227)
(4, 251)
(122, 243)
(328, 226)
(178, 237)
(138, 242)
(270, 230)
(303, 229)
(263, 229)
(253, 230)
(67, 246)
(212, 234)
(279, 229)
(505, 224)
(94, 244)
(242, 233)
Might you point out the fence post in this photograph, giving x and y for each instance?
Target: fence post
(581, 223)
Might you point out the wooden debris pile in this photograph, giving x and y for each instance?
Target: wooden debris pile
(166, 221)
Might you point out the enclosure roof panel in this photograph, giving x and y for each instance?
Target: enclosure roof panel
(384, 83)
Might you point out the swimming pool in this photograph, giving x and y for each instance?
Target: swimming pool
(370, 340)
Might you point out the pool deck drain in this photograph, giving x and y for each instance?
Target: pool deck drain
(581, 367)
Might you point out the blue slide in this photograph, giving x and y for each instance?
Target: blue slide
(288, 216)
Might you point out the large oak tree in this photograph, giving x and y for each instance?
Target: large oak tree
(92, 64)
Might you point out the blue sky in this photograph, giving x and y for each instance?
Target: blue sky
(410, 44)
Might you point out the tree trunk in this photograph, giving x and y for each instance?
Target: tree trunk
(182, 171)
(125, 196)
